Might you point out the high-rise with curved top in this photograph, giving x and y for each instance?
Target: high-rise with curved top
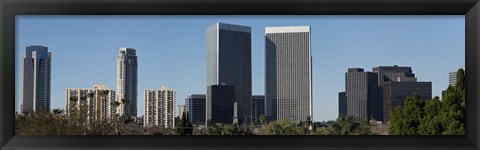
(36, 79)
(127, 82)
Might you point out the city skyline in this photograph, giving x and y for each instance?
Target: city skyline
(321, 99)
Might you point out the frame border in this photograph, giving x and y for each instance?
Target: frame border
(10, 8)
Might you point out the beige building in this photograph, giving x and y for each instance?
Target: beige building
(159, 107)
(94, 103)
(181, 110)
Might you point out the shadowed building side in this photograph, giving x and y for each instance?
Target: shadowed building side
(229, 62)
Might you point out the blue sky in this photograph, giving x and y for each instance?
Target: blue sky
(171, 50)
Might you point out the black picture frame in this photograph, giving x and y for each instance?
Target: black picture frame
(10, 8)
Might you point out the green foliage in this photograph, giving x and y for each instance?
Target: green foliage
(185, 126)
(282, 127)
(226, 129)
(432, 117)
(55, 123)
(262, 119)
(347, 125)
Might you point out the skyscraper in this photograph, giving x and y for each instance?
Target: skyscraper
(127, 82)
(395, 93)
(229, 62)
(392, 73)
(196, 109)
(363, 98)
(160, 107)
(258, 107)
(94, 102)
(288, 77)
(220, 104)
(342, 104)
(36, 79)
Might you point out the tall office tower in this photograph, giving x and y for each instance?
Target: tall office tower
(395, 93)
(220, 104)
(288, 77)
(94, 103)
(363, 98)
(342, 104)
(181, 110)
(159, 107)
(258, 107)
(229, 61)
(127, 82)
(389, 73)
(36, 79)
(196, 109)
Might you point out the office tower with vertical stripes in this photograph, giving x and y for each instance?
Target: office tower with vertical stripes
(363, 97)
(342, 104)
(288, 76)
(258, 107)
(229, 61)
(36, 88)
(196, 109)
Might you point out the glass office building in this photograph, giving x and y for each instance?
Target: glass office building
(229, 62)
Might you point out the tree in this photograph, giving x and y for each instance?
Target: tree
(115, 104)
(57, 111)
(83, 113)
(281, 127)
(432, 117)
(406, 119)
(124, 103)
(185, 127)
(347, 125)
(262, 119)
(91, 109)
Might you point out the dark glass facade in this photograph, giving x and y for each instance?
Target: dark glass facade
(362, 92)
(220, 100)
(229, 62)
(342, 104)
(393, 73)
(395, 93)
(195, 108)
(258, 107)
(36, 73)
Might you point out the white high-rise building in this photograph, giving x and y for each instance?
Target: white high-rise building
(288, 73)
(36, 80)
(94, 102)
(127, 82)
(452, 77)
(160, 107)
